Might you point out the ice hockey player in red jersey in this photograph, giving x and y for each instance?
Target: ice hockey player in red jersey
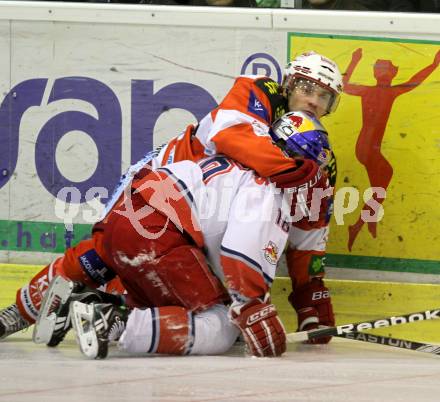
(238, 128)
(196, 246)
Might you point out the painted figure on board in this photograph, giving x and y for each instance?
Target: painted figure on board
(377, 102)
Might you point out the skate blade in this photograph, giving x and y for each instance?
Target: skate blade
(82, 322)
(58, 293)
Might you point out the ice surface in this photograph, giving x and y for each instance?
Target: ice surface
(342, 371)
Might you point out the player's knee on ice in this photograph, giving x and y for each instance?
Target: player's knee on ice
(175, 330)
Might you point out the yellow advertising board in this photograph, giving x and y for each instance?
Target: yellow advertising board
(386, 134)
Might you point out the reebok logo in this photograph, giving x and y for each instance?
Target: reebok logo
(387, 322)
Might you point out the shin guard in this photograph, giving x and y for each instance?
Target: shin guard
(165, 330)
(30, 296)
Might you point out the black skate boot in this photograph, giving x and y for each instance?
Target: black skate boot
(11, 321)
(96, 325)
(54, 321)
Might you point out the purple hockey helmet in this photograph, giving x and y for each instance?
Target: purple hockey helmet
(301, 134)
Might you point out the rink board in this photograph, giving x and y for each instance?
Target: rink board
(90, 88)
(353, 301)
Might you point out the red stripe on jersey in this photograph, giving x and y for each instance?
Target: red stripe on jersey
(242, 279)
(173, 330)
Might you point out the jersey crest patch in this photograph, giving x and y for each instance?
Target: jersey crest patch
(271, 253)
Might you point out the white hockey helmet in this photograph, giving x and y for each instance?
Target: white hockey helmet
(318, 69)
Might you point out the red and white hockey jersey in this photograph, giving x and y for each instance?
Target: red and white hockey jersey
(238, 128)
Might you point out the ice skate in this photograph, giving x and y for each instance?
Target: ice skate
(11, 321)
(54, 321)
(95, 325)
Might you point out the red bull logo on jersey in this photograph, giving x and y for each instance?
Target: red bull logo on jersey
(271, 253)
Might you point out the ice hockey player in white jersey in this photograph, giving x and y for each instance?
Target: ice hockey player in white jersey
(196, 246)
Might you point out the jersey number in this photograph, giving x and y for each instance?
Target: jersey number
(284, 224)
(215, 166)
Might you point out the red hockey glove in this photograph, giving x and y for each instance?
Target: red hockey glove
(261, 327)
(313, 306)
(306, 169)
(311, 192)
